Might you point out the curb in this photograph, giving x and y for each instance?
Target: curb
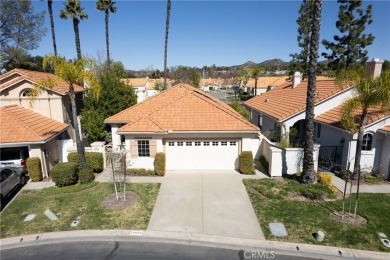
(188, 239)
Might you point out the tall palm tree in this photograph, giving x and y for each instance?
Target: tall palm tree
(53, 35)
(74, 10)
(107, 6)
(308, 173)
(72, 74)
(166, 42)
(255, 73)
(369, 93)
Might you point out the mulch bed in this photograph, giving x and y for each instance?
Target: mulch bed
(348, 218)
(110, 201)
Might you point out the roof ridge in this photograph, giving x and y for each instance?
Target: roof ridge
(220, 106)
(22, 122)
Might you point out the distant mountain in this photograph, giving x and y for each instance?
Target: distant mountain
(272, 64)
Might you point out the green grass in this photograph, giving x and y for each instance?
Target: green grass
(303, 218)
(67, 202)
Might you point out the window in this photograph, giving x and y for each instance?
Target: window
(224, 143)
(259, 120)
(26, 93)
(197, 143)
(188, 143)
(367, 142)
(206, 143)
(179, 143)
(215, 143)
(232, 143)
(143, 148)
(318, 134)
(171, 143)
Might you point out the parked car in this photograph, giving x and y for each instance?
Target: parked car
(10, 178)
(14, 157)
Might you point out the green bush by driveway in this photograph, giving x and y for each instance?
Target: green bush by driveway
(66, 203)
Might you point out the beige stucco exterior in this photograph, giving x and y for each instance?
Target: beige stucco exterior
(48, 103)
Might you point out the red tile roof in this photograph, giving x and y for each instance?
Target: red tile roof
(18, 124)
(285, 101)
(16, 75)
(181, 108)
(333, 116)
(386, 128)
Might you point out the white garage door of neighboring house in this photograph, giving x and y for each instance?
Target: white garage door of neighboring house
(201, 155)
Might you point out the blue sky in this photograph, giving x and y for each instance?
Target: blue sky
(201, 32)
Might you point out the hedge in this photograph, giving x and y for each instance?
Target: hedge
(265, 163)
(34, 168)
(86, 176)
(137, 172)
(159, 164)
(246, 163)
(94, 160)
(64, 174)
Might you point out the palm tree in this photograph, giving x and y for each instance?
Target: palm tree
(308, 173)
(369, 93)
(53, 35)
(107, 6)
(74, 10)
(166, 42)
(71, 73)
(255, 73)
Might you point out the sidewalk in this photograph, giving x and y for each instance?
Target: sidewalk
(251, 245)
(106, 176)
(363, 188)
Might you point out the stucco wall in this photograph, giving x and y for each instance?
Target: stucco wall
(385, 157)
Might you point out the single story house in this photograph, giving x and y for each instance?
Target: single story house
(144, 87)
(193, 129)
(23, 128)
(16, 88)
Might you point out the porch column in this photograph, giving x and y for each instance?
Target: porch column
(116, 138)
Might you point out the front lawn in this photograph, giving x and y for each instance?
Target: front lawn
(276, 201)
(83, 203)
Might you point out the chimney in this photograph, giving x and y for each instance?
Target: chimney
(296, 79)
(374, 67)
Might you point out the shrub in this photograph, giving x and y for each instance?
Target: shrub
(344, 174)
(159, 164)
(326, 178)
(246, 163)
(94, 160)
(371, 178)
(64, 174)
(86, 176)
(139, 172)
(34, 168)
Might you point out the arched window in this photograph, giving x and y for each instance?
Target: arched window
(26, 92)
(367, 142)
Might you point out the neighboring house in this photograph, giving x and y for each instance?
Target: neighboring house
(264, 84)
(285, 105)
(193, 129)
(16, 88)
(144, 87)
(23, 128)
(338, 146)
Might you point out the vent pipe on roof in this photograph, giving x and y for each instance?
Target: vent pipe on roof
(296, 79)
(374, 67)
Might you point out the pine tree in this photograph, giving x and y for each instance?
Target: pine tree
(348, 48)
(300, 60)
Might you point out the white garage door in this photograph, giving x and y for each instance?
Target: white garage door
(199, 155)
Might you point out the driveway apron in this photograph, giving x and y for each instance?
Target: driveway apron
(205, 202)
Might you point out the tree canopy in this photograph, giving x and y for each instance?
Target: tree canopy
(21, 30)
(114, 96)
(348, 49)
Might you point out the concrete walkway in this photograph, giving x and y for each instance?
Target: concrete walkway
(363, 188)
(205, 202)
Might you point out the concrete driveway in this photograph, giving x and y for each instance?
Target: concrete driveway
(205, 202)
